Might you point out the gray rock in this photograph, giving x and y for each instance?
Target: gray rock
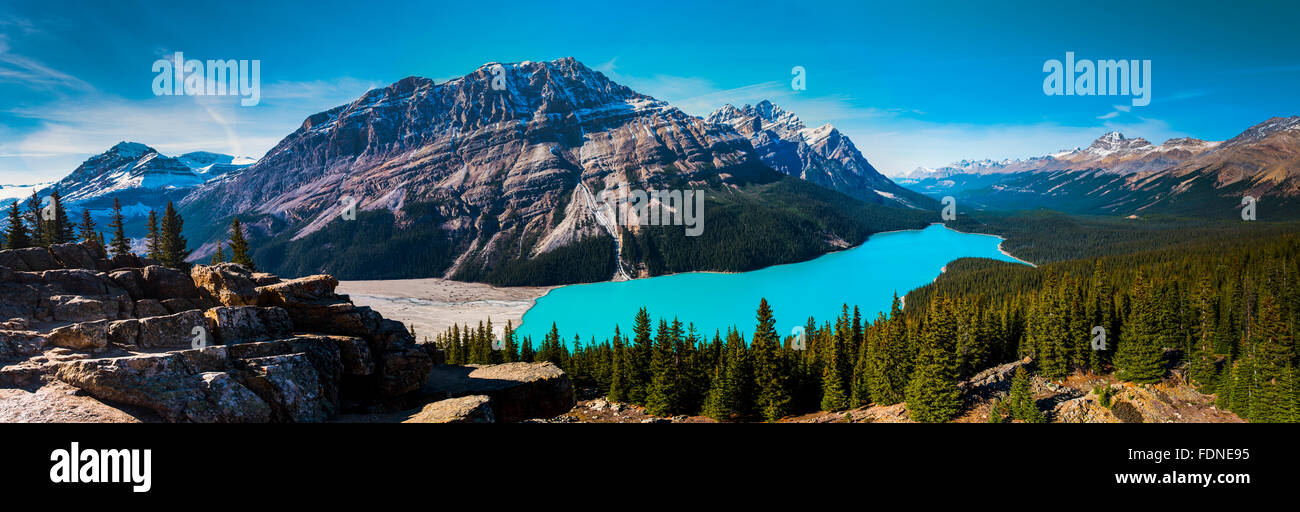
(467, 409)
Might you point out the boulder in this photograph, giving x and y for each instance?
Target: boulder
(124, 261)
(263, 278)
(467, 409)
(174, 385)
(81, 336)
(178, 305)
(244, 324)
(308, 289)
(130, 280)
(519, 391)
(36, 259)
(15, 324)
(322, 354)
(58, 403)
(163, 283)
(75, 256)
(405, 370)
(145, 308)
(124, 332)
(227, 284)
(19, 344)
(291, 385)
(173, 331)
(76, 308)
(11, 260)
(19, 300)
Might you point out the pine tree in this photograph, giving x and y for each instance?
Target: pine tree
(87, 227)
(16, 236)
(662, 398)
(638, 359)
(1023, 406)
(728, 397)
(239, 246)
(120, 244)
(36, 220)
(173, 244)
(932, 394)
(771, 378)
(618, 369)
(154, 238)
(218, 256)
(1139, 357)
(58, 229)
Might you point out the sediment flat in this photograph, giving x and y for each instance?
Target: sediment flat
(432, 305)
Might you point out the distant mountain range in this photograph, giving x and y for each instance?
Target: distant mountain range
(1119, 175)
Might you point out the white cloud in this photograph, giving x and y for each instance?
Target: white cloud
(894, 139)
(70, 130)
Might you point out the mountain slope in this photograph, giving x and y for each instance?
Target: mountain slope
(464, 180)
(1116, 175)
(821, 155)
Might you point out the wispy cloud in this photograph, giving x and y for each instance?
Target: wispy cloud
(70, 130)
(896, 139)
(32, 73)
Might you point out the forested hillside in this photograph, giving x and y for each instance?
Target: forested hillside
(1219, 304)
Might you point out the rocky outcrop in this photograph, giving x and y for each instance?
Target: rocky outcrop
(467, 409)
(519, 391)
(216, 344)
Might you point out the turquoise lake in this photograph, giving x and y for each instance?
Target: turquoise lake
(866, 276)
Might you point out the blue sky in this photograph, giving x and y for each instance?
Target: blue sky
(922, 84)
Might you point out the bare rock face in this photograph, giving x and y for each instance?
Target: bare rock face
(467, 409)
(171, 331)
(292, 385)
(82, 336)
(163, 283)
(519, 391)
(227, 284)
(58, 403)
(243, 324)
(166, 384)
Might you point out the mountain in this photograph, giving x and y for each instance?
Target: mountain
(137, 175)
(821, 155)
(1118, 175)
(513, 184)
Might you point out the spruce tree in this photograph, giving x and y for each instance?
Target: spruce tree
(1023, 406)
(36, 220)
(58, 229)
(1139, 357)
(218, 256)
(239, 246)
(120, 244)
(16, 236)
(771, 378)
(87, 227)
(932, 394)
(153, 238)
(173, 244)
(638, 359)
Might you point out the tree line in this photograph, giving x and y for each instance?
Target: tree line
(1224, 320)
(36, 224)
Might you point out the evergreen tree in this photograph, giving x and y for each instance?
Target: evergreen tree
(771, 379)
(154, 238)
(1139, 357)
(932, 394)
(58, 229)
(87, 227)
(1023, 406)
(120, 244)
(36, 220)
(218, 256)
(239, 246)
(16, 236)
(638, 359)
(173, 250)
